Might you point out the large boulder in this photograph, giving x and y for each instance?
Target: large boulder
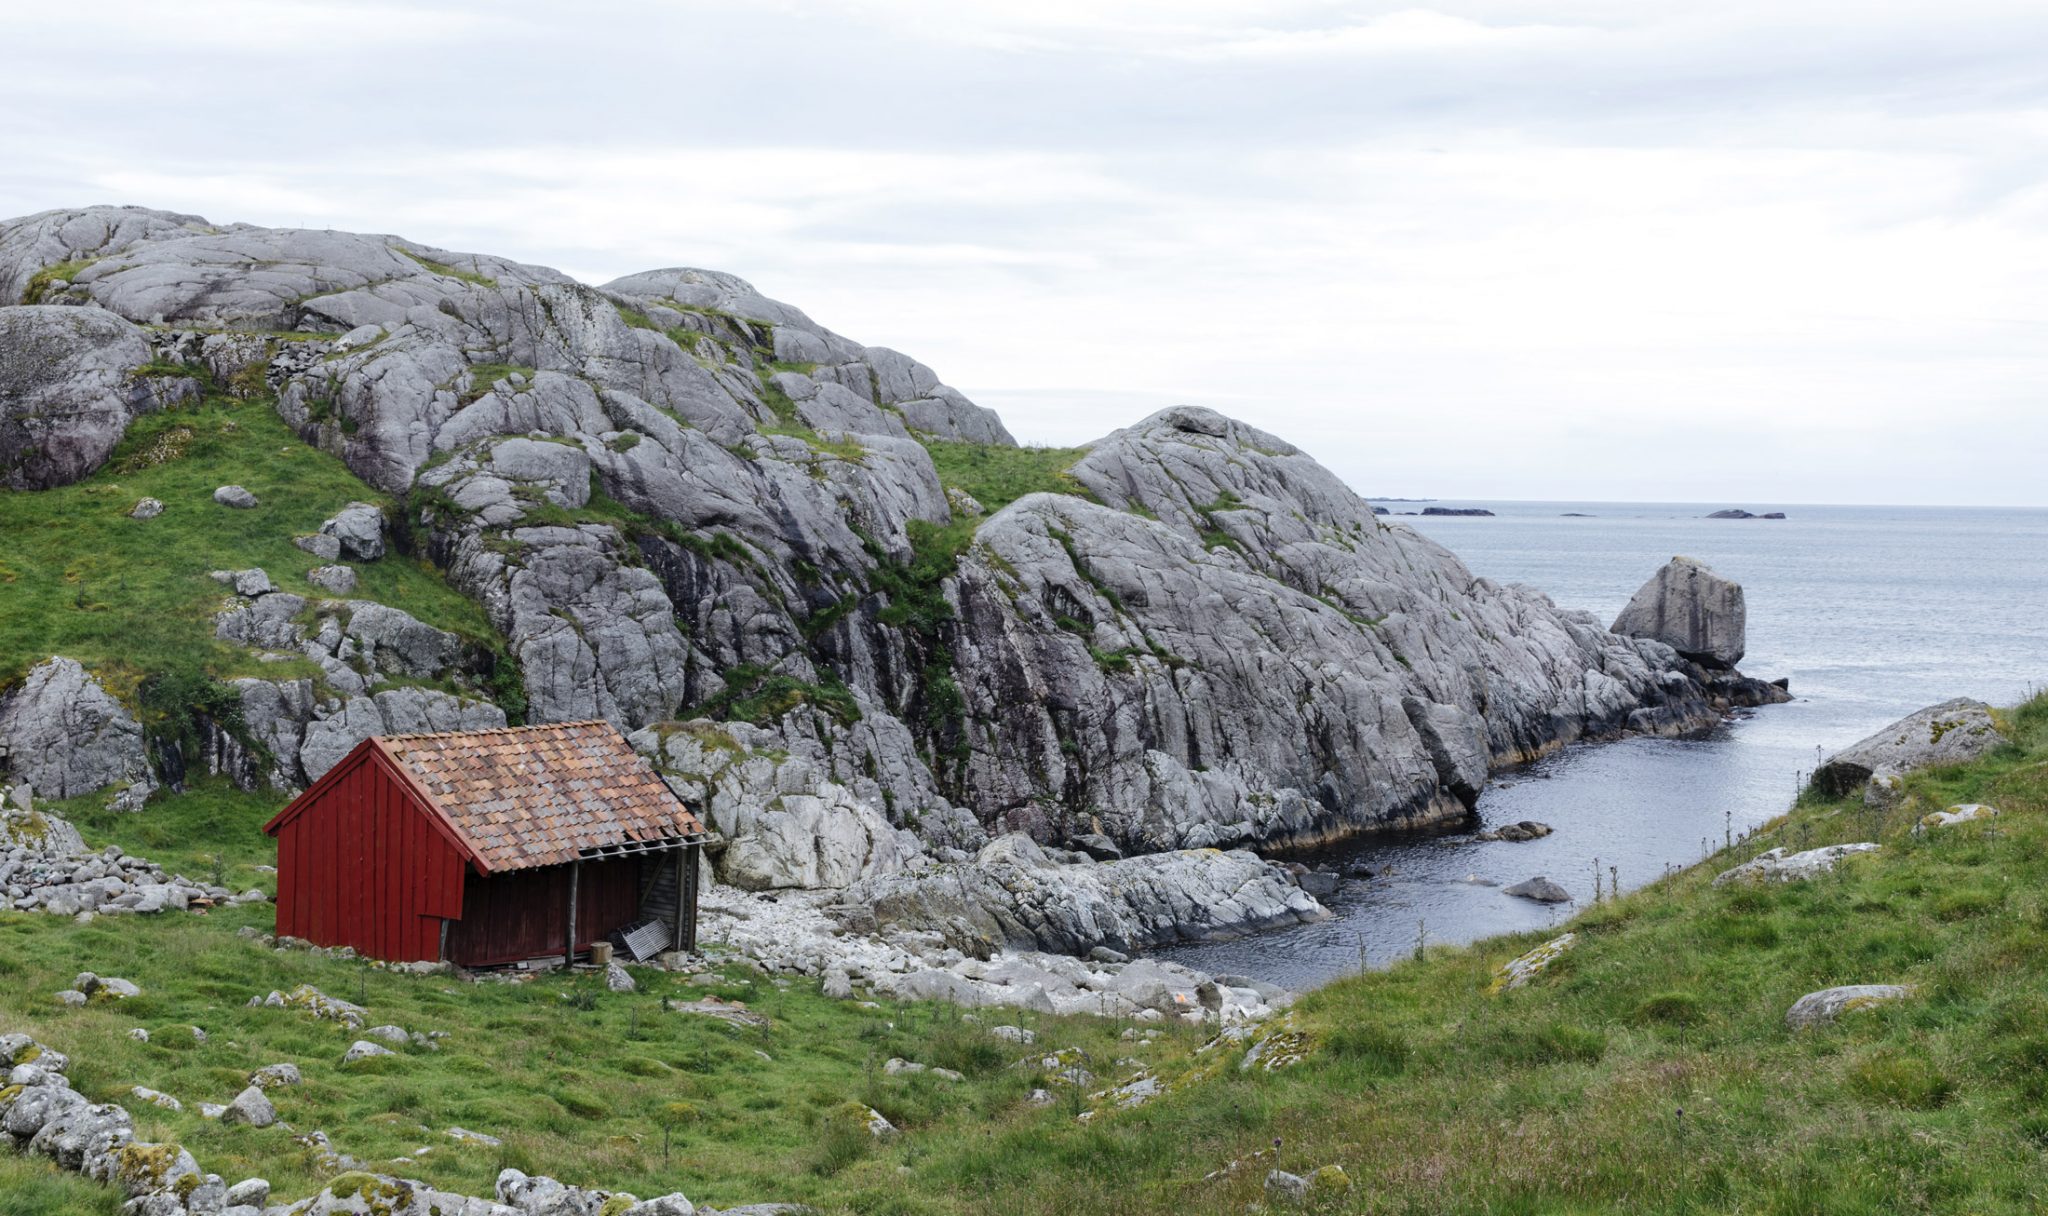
(66, 736)
(1013, 894)
(68, 390)
(1953, 732)
(786, 821)
(1691, 609)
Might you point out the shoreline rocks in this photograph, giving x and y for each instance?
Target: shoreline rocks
(1013, 894)
(1952, 732)
(1540, 889)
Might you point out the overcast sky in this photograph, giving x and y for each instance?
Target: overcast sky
(1744, 252)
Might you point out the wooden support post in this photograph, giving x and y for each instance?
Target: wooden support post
(693, 862)
(443, 955)
(575, 881)
(683, 862)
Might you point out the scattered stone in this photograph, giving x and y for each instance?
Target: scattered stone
(275, 1076)
(465, 1136)
(897, 1065)
(1517, 833)
(1320, 883)
(320, 545)
(359, 529)
(390, 1034)
(139, 1034)
(1776, 865)
(1967, 812)
(1828, 1004)
(1952, 732)
(71, 997)
(735, 1012)
(1540, 889)
(155, 1098)
(1289, 1190)
(1014, 1034)
(105, 988)
(1039, 1097)
(317, 1004)
(837, 986)
(335, 580)
(362, 1050)
(252, 1107)
(251, 583)
(617, 979)
(877, 1126)
(1521, 969)
(234, 496)
(250, 1193)
(146, 508)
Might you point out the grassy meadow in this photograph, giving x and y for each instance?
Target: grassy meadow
(1649, 1070)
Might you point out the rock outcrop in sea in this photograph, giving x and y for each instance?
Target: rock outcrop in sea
(1691, 609)
(691, 510)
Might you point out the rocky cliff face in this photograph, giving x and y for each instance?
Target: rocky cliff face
(677, 499)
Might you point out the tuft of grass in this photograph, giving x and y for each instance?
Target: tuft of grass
(40, 283)
(998, 476)
(471, 276)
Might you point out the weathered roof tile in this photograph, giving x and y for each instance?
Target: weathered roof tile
(529, 796)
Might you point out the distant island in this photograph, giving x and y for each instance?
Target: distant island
(1456, 511)
(1738, 513)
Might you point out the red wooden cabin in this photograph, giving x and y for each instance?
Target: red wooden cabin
(485, 847)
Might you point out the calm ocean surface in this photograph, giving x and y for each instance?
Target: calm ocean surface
(1872, 612)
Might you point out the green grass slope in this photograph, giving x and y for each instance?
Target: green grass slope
(1434, 1095)
(131, 599)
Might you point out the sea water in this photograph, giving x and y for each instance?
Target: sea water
(1870, 612)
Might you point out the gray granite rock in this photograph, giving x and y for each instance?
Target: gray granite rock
(1775, 865)
(335, 580)
(68, 390)
(234, 496)
(1012, 894)
(1539, 889)
(1952, 732)
(1816, 1008)
(66, 736)
(358, 529)
(1691, 609)
(252, 1107)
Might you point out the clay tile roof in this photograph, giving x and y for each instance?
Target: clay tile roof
(530, 796)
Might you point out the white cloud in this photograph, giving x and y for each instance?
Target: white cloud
(1567, 248)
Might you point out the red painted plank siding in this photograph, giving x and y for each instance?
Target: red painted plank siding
(362, 866)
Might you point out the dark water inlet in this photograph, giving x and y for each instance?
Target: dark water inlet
(1871, 612)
